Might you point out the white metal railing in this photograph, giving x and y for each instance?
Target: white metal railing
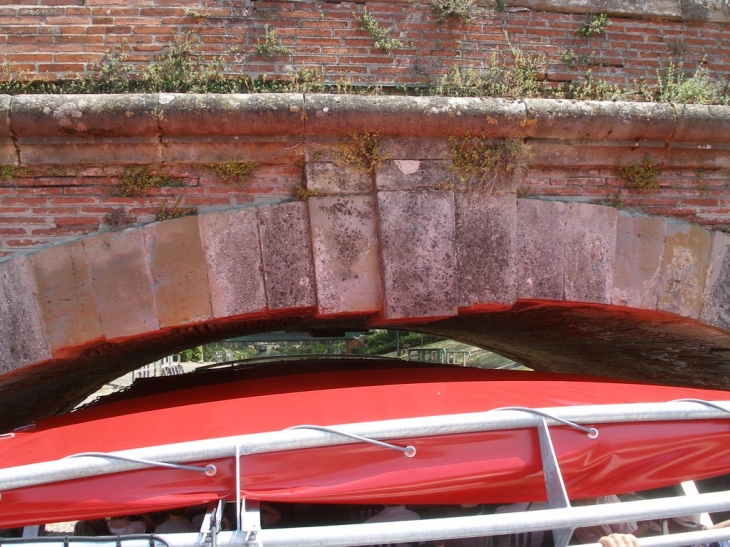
(292, 439)
(438, 355)
(561, 518)
(436, 529)
(167, 366)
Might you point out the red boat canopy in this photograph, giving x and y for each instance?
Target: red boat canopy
(478, 467)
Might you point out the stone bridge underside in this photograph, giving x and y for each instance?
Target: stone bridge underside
(568, 287)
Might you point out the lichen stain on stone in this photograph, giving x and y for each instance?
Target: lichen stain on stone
(682, 287)
(349, 245)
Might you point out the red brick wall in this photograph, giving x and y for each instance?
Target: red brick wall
(696, 195)
(44, 208)
(52, 38)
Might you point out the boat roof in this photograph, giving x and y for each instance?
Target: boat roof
(453, 415)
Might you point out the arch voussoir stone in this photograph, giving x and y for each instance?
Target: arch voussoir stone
(178, 272)
(346, 254)
(66, 298)
(22, 338)
(418, 254)
(122, 284)
(716, 301)
(684, 268)
(234, 263)
(590, 251)
(286, 248)
(487, 249)
(541, 242)
(637, 268)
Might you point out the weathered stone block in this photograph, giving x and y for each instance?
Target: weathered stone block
(233, 257)
(66, 298)
(590, 249)
(8, 156)
(684, 268)
(541, 234)
(122, 283)
(413, 116)
(637, 267)
(22, 338)
(178, 271)
(332, 178)
(225, 149)
(286, 247)
(82, 128)
(702, 124)
(418, 254)
(433, 148)
(559, 156)
(598, 120)
(688, 10)
(716, 300)
(695, 155)
(231, 114)
(346, 257)
(211, 128)
(486, 247)
(413, 175)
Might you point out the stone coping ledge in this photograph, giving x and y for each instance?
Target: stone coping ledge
(32, 122)
(715, 11)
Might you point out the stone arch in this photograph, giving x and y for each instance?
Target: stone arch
(559, 286)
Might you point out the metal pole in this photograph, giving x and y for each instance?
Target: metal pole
(258, 443)
(487, 525)
(447, 528)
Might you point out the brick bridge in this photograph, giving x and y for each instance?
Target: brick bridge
(557, 285)
(559, 264)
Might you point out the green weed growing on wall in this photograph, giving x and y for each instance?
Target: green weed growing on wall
(236, 173)
(675, 85)
(166, 212)
(363, 153)
(12, 172)
(461, 10)
(570, 58)
(302, 193)
(182, 68)
(111, 74)
(139, 181)
(193, 14)
(488, 166)
(641, 174)
(595, 25)
(117, 217)
(383, 42)
(270, 44)
(15, 82)
(510, 73)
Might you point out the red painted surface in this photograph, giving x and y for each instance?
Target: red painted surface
(479, 467)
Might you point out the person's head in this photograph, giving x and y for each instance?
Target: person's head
(94, 527)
